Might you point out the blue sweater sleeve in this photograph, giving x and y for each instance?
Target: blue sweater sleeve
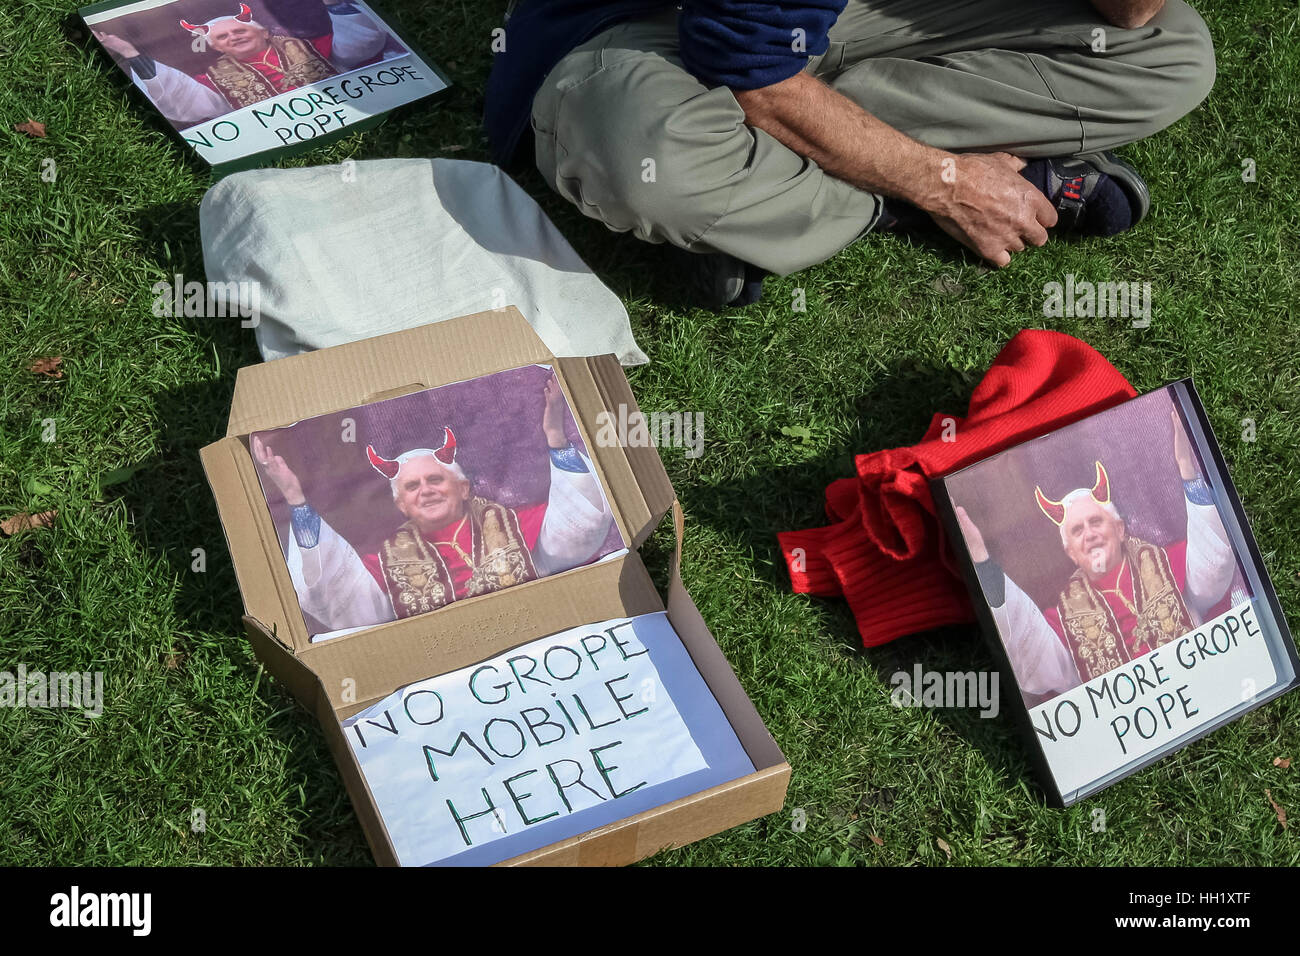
(747, 45)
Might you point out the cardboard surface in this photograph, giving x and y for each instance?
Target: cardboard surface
(337, 678)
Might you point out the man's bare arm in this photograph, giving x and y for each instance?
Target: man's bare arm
(978, 198)
(1129, 14)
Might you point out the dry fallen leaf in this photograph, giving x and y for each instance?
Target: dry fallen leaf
(875, 839)
(947, 285)
(1283, 762)
(26, 522)
(48, 366)
(31, 128)
(943, 845)
(1281, 814)
(173, 659)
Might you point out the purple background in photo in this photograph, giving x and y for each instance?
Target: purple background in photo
(1135, 444)
(497, 420)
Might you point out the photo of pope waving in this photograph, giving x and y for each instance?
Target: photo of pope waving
(453, 544)
(255, 61)
(1125, 597)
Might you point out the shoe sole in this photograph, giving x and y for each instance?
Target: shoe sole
(1129, 179)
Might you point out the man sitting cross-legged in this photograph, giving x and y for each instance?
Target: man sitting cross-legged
(770, 136)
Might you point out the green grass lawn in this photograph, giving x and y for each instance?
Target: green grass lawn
(895, 330)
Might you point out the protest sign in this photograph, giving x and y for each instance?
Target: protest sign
(237, 80)
(1114, 572)
(1154, 699)
(550, 739)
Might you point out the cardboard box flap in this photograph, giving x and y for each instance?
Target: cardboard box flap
(273, 394)
(638, 482)
(709, 660)
(251, 539)
(360, 669)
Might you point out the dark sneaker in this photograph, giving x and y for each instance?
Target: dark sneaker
(715, 280)
(1129, 179)
(1095, 194)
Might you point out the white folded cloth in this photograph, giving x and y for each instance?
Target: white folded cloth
(345, 252)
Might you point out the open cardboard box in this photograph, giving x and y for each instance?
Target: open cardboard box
(340, 677)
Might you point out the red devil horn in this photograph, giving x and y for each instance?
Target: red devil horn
(245, 13)
(384, 466)
(1101, 487)
(195, 27)
(1053, 509)
(447, 453)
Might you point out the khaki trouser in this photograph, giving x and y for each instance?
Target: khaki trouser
(626, 134)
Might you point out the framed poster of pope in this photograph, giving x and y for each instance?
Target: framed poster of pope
(263, 78)
(402, 506)
(1113, 569)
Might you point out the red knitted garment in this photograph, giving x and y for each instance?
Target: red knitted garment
(885, 553)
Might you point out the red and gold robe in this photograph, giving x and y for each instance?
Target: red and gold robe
(1134, 608)
(421, 573)
(287, 64)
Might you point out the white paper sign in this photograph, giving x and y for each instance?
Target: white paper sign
(317, 109)
(1133, 710)
(548, 729)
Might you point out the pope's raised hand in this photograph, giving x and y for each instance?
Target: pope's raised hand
(553, 416)
(1182, 449)
(115, 44)
(281, 474)
(974, 540)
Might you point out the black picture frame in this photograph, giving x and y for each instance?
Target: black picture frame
(1271, 617)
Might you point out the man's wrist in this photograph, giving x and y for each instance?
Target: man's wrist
(930, 188)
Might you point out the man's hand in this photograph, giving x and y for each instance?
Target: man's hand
(1182, 449)
(990, 208)
(974, 540)
(980, 199)
(280, 474)
(115, 44)
(1128, 14)
(553, 417)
